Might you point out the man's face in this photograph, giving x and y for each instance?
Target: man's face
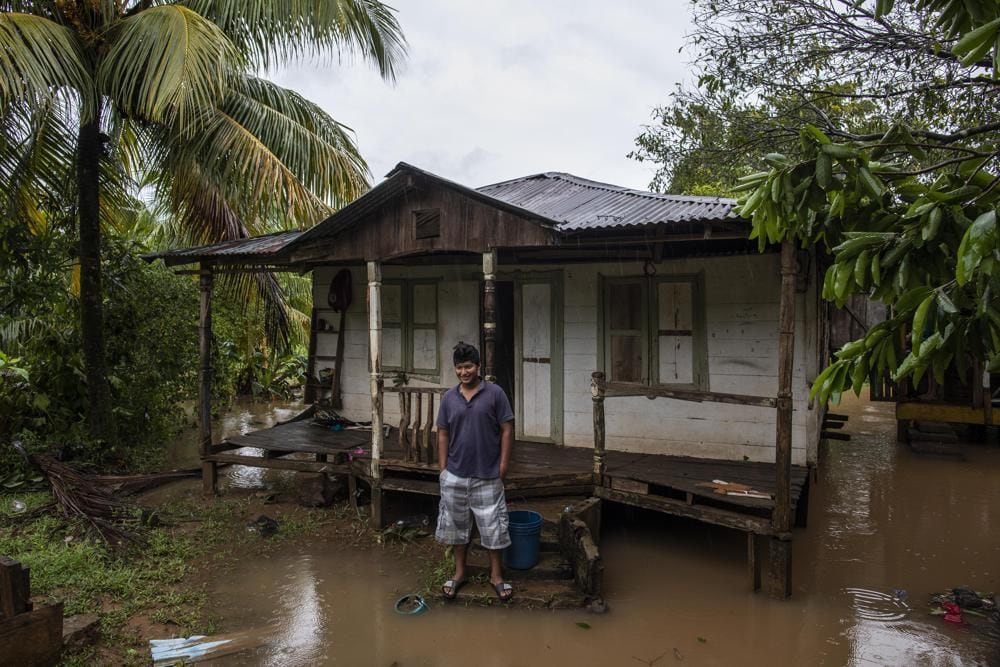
(467, 372)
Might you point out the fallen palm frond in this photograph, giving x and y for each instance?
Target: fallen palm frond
(129, 485)
(79, 497)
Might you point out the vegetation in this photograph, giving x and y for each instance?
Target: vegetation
(877, 127)
(102, 101)
(161, 581)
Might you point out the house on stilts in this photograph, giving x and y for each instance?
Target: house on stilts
(654, 357)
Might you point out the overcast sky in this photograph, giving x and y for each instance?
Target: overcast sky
(497, 90)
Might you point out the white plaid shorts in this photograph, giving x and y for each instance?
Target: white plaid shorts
(463, 498)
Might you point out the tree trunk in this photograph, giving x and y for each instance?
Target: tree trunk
(99, 416)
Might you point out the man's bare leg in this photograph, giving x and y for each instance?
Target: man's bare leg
(461, 554)
(496, 568)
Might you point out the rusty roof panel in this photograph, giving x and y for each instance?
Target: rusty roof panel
(253, 249)
(578, 204)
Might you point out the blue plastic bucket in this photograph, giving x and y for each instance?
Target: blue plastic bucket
(525, 538)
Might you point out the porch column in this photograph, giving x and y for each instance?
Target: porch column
(489, 315)
(208, 471)
(779, 574)
(597, 393)
(375, 368)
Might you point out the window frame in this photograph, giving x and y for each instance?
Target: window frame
(650, 331)
(407, 326)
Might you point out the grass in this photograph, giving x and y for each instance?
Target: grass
(157, 581)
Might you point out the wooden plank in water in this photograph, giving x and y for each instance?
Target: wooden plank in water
(34, 638)
(941, 412)
(280, 464)
(703, 513)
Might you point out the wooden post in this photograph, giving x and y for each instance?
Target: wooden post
(780, 557)
(489, 315)
(597, 393)
(987, 397)
(15, 588)
(375, 369)
(208, 470)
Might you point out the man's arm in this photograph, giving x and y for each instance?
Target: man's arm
(442, 448)
(506, 446)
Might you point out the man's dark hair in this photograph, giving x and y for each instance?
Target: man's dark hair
(465, 352)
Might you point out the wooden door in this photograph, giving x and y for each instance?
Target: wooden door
(539, 360)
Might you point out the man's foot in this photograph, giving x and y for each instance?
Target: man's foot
(504, 590)
(451, 588)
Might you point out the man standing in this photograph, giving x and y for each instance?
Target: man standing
(475, 438)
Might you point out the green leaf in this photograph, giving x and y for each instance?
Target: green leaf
(909, 300)
(975, 245)
(870, 182)
(824, 170)
(38, 56)
(919, 319)
(817, 133)
(581, 624)
(861, 267)
(169, 64)
(971, 46)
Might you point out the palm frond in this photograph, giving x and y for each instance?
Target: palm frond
(168, 65)
(38, 56)
(271, 31)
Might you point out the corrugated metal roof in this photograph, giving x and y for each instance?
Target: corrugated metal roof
(567, 203)
(579, 204)
(253, 249)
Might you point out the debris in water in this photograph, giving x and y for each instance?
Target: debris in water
(702, 640)
(410, 605)
(185, 650)
(953, 605)
(585, 626)
(678, 655)
(263, 525)
(651, 661)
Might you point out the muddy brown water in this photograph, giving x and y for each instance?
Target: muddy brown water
(887, 528)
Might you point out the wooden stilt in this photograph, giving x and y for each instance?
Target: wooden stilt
(208, 470)
(753, 561)
(375, 368)
(597, 393)
(780, 553)
(489, 315)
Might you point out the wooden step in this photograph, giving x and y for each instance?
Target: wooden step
(425, 487)
(551, 566)
(527, 594)
(931, 436)
(835, 417)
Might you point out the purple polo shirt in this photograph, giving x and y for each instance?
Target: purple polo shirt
(474, 430)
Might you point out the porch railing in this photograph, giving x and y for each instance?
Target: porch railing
(416, 422)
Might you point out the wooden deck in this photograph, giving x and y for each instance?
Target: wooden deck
(671, 484)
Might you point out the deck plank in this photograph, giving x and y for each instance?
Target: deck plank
(535, 465)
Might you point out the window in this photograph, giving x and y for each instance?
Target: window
(653, 331)
(409, 326)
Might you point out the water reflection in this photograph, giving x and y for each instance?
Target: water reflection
(243, 417)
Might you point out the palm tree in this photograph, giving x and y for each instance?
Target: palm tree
(100, 96)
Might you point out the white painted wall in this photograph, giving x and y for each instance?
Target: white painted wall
(742, 300)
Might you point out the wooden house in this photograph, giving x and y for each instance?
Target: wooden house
(652, 354)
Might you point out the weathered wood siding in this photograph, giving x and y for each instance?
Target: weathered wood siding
(466, 225)
(741, 313)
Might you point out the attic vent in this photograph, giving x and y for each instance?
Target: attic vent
(427, 223)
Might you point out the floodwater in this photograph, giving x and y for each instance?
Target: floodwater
(887, 528)
(242, 417)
